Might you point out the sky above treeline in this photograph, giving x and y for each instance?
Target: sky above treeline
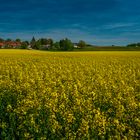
(99, 22)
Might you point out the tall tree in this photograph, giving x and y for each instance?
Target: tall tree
(43, 41)
(50, 43)
(66, 44)
(56, 46)
(37, 45)
(81, 44)
(18, 40)
(24, 45)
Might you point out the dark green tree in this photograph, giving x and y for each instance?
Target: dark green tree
(138, 44)
(66, 45)
(43, 41)
(81, 44)
(56, 46)
(133, 45)
(18, 40)
(27, 42)
(24, 45)
(37, 45)
(50, 43)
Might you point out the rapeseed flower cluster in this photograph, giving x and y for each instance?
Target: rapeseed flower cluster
(69, 95)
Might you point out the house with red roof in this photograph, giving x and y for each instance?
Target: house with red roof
(2, 44)
(10, 44)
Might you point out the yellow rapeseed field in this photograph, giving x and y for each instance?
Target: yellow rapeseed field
(69, 95)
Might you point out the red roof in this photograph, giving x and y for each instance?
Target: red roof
(10, 43)
(13, 43)
(1, 44)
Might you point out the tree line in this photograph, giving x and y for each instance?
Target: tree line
(134, 45)
(43, 44)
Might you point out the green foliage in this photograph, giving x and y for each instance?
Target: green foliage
(37, 45)
(50, 43)
(81, 44)
(24, 45)
(66, 45)
(18, 40)
(42, 44)
(56, 46)
(43, 41)
(134, 45)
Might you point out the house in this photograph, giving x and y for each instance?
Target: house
(2, 45)
(47, 46)
(12, 44)
(75, 45)
(29, 47)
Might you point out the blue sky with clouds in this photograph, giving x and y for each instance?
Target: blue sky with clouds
(100, 22)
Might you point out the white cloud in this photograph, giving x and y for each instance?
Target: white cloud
(118, 25)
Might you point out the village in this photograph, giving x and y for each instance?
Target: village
(41, 44)
(10, 44)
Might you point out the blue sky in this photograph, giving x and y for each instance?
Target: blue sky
(100, 22)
